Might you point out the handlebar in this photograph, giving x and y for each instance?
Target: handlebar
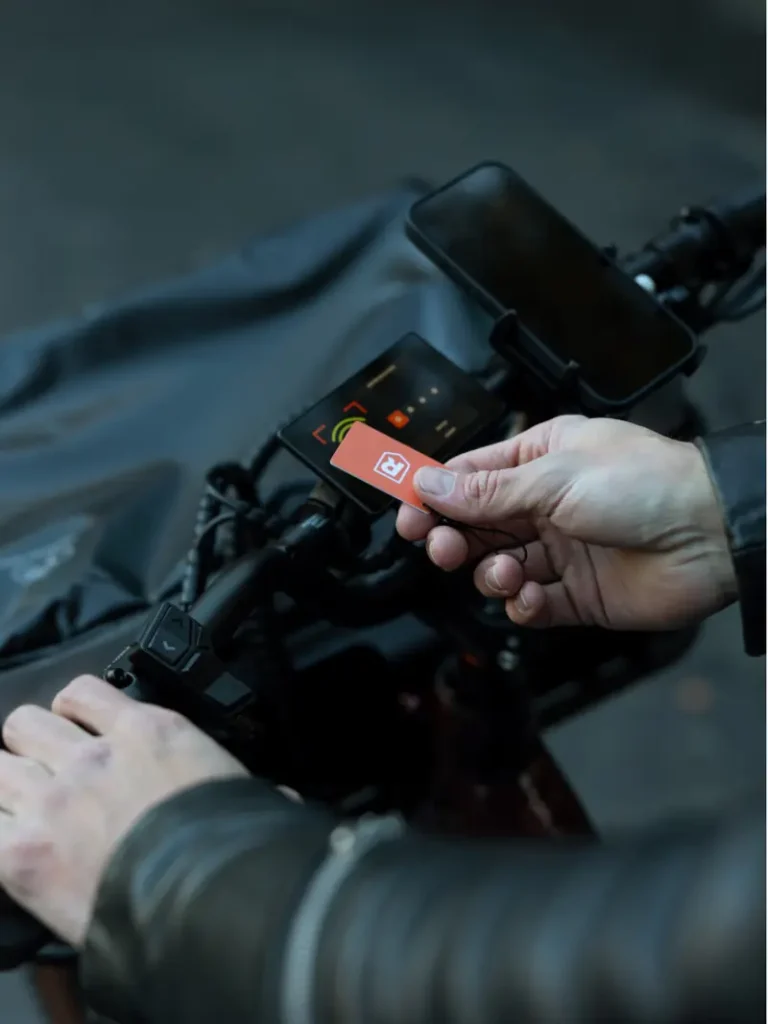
(706, 246)
(708, 268)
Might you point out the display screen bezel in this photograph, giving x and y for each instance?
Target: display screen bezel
(410, 352)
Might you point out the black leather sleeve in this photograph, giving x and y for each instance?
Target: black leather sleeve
(736, 462)
(193, 924)
(190, 919)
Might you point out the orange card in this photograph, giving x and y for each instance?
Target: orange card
(382, 462)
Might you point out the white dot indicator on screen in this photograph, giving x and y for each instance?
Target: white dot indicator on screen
(422, 400)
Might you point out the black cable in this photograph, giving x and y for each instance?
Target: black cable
(196, 568)
(261, 460)
(747, 310)
(244, 513)
(287, 493)
(739, 291)
(477, 530)
(215, 523)
(745, 297)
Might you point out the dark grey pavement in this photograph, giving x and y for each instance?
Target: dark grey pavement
(142, 140)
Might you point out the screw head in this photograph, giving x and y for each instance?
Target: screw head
(119, 677)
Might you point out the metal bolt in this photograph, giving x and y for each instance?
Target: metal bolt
(119, 677)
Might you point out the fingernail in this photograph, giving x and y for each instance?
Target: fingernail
(437, 482)
(492, 577)
(521, 601)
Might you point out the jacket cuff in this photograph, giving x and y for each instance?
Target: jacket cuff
(210, 873)
(735, 459)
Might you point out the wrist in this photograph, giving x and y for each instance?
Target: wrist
(709, 522)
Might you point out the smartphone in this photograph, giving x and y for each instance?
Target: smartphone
(508, 247)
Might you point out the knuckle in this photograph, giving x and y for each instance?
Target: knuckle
(159, 725)
(483, 488)
(97, 752)
(166, 722)
(165, 717)
(76, 690)
(130, 718)
(92, 754)
(56, 799)
(25, 861)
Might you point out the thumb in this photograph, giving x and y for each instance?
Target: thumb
(491, 495)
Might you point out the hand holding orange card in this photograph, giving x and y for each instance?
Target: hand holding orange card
(382, 462)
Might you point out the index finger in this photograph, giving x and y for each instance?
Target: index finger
(91, 702)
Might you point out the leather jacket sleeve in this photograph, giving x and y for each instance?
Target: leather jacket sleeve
(736, 462)
(194, 923)
(195, 918)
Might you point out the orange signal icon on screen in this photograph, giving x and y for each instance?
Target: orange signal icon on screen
(398, 419)
(343, 427)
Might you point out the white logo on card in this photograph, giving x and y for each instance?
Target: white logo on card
(393, 466)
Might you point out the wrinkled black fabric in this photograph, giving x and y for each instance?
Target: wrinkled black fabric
(109, 423)
(193, 922)
(736, 461)
(660, 930)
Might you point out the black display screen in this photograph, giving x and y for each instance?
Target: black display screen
(499, 238)
(412, 393)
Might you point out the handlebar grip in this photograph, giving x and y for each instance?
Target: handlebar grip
(21, 935)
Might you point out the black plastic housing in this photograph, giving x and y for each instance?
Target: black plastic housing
(565, 378)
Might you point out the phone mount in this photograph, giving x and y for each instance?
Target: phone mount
(560, 381)
(560, 385)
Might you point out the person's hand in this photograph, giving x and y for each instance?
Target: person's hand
(72, 783)
(622, 526)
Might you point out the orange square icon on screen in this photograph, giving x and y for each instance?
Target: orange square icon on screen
(398, 419)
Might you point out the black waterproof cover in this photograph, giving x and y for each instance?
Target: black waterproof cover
(109, 422)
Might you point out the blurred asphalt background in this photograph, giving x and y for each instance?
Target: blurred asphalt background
(144, 139)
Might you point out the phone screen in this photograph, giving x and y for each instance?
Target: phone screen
(495, 234)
